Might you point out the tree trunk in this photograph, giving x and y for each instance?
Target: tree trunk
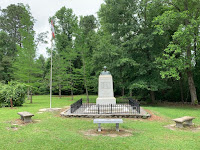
(192, 88)
(28, 94)
(190, 78)
(131, 92)
(85, 80)
(152, 93)
(195, 46)
(60, 91)
(31, 98)
(189, 63)
(87, 94)
(181, 88)
(123, 91)
(11, 103)
(72, 94)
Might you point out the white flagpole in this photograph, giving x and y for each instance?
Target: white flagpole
(53, 36)
(51, 72)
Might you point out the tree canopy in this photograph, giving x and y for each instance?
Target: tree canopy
(151, 48)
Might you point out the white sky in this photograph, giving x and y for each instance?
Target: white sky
(43, 9)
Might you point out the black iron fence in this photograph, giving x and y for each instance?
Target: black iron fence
(135, 104)
(75, 106)
(79, 107)
(106, 109)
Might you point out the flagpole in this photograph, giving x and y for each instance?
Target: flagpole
(51, 73)
(53, 36)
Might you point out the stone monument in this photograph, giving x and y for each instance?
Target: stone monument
(105, 88)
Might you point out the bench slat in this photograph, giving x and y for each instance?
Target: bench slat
(108, 121)
(25, 114)
(183, 119)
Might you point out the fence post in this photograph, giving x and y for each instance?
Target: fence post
(98, 108)
(111, 108)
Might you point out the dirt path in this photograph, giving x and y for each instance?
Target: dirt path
(153, 116)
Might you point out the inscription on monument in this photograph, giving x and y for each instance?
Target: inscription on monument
(105, 85)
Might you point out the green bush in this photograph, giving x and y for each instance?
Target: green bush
(13, 90)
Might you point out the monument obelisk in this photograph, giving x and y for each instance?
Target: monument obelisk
(105, 88)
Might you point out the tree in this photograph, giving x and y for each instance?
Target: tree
(6, 57)
(10, 21)
(10, 24)
(183, 19)
(118, 19)
(133, 45)
(24, 65)
(85, 47)
(12, 94)
(59, 73)
(40, 84)
(66, 24)
(146, 47)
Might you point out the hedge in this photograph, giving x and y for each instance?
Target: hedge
(13, 90)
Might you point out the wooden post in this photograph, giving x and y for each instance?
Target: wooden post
(11, 103)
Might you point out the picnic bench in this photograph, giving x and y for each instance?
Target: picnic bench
(186, 119)
(25, 116)
(99, 121)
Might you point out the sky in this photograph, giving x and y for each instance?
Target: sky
(42, 9)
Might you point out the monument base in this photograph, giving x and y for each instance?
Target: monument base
(106, 100)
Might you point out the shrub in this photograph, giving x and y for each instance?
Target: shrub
(14, 91)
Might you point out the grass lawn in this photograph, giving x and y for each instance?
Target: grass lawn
(57, 133)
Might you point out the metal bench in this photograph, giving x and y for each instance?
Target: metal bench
(186, 119)
(25, 116)
(99, 121)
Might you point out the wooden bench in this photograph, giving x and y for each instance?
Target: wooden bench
(99, 121)
(186, 119)
(25, 116)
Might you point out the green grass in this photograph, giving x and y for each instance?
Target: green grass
(54, 132)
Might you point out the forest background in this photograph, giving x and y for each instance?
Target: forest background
(151, 48)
